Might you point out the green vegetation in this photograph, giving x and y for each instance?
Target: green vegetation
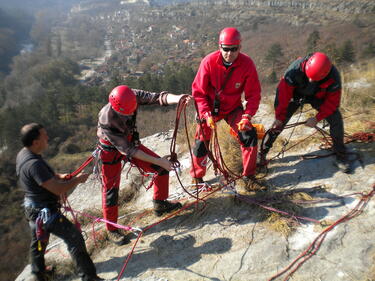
(274, 54)
(312, 41)
(14, 28)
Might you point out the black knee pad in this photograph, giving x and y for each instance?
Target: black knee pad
(111, 197)
(161, 171)
(200, 149)
(248, 138)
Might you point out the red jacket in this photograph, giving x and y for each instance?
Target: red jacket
(211, 76)
(295, 84)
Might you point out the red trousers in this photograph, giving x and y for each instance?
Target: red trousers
(111, 175)
(248, 140)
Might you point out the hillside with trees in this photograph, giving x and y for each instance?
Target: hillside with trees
(155, 47)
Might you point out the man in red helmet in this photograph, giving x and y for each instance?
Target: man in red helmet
(314, 80)
(119, 141)
(221, 79)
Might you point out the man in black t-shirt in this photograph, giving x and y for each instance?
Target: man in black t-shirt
(42, 187)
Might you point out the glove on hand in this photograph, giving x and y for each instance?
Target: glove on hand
(311, 122)
(277, 125)
(245, 123)
(209, 120)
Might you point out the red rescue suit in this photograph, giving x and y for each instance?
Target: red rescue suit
(211, 76)
(119, 141)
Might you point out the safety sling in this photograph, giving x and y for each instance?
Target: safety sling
(216, 109)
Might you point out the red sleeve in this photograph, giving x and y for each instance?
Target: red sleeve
(330, 104)
(252, 92)
(200, 87)
(284, 94)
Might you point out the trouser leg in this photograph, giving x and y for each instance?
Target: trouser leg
(36, 253)
(248, 141)
(69, 233)
(336, 129)
(272, 135)
(161, 180)
(200, 152)
(111, 175)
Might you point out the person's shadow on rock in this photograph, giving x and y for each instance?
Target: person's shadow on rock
(166, 252)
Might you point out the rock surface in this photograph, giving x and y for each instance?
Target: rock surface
(230, 239)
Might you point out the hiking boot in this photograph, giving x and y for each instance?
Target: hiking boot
(197, 181)
(262, 159)
(118, 237)
(251, 183)
(343, 163)
(164, 206)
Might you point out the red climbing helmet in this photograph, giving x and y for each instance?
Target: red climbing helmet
(318, 66)
(123, 100)
(230, 36)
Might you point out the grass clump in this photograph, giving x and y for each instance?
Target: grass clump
(358, 99)
(230, 148)
(287, 202)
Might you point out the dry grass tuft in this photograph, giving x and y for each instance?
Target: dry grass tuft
(358, 98)
(280, 224)
(67, 163)
(284, 202)
(64, 268)
(230, 148)
(191, 125)
(182, 140)
(84, 221)
(95, 244)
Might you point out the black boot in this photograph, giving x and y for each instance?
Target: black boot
(164, 206)
(343, 163)
(197, 181)
(118, 237)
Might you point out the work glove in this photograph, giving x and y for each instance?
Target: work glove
(311, 122)
(209, 120)
(277, 125)
(245, 123)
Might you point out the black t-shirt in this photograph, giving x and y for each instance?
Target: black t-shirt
(32, 171)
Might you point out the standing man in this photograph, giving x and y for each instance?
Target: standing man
(221, 79)
(119, 140)
(314, 80)
(42, 188)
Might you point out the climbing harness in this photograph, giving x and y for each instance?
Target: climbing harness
(42, 222)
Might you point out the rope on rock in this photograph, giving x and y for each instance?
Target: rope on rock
(313, 248)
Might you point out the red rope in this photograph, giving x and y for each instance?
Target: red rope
(80, 168)
(186, 206)
(64, 197)
(313, 248)
(360, 137)
(272, 209)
